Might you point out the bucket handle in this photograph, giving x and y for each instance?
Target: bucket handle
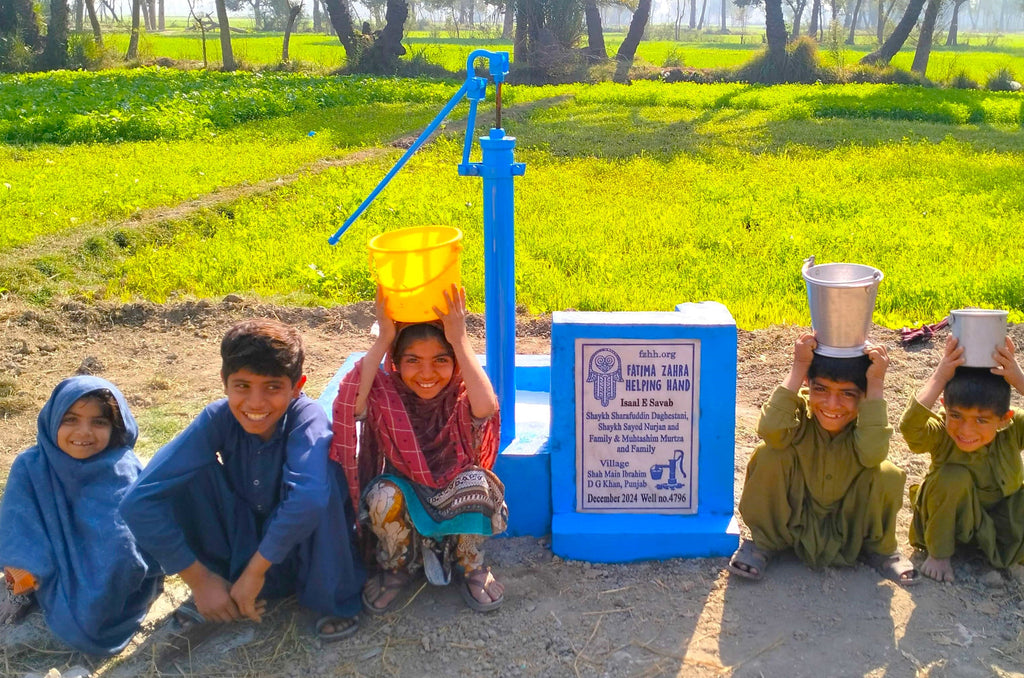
(428, 282)
(808, 263)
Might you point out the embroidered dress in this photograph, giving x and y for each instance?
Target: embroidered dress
(420, 470)
(59, 522)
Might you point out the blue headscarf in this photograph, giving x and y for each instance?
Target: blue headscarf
(59, 521)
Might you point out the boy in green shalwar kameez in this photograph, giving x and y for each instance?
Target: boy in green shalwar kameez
(819, 483)
(973, 492)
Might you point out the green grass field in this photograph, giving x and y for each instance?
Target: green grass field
(635, 197)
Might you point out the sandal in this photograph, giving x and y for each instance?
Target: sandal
(186, 616)
(343, 628)
(387, 581)
(749, 561)
(893, 567)
(13, 608)
(479, 578)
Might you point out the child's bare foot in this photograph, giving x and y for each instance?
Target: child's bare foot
(939, 569)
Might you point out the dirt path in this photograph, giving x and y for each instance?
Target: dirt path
(671, 618)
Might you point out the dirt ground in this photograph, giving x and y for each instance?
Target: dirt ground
(560, 618)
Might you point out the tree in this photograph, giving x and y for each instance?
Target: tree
(627, 50)
(924, 42)
(55, 54)
(853, 23)
(884, 54)
(226, 54)
(954, 23)
(97, 34)
(340, 16)
(797, 7)
(133, 41)
(595, 49)
(19, 34)
(775, 34)
(293, 14)
(384, 52)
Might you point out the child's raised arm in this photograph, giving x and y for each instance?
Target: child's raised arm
(482, 401)
(371, 361)
(952, 358)
(876, 371)
(1007, 366)
(803, 354)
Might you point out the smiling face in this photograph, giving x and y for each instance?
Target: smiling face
(258, 401)
(426, 367)
(972, 428)
(834, 404)
(85, 429)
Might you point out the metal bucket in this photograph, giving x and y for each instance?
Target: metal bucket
(841, 299)
(980, 331)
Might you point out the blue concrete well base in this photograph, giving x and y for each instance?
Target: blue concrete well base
(524, 464)
(624, 538)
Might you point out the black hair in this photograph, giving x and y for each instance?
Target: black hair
(419, 332)
(266, 347)
(978, 387)
(109, 408)
(841, 369)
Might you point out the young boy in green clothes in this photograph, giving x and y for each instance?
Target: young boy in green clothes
(973, 492)
(819, 483)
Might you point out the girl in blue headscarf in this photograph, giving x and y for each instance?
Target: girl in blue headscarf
(62, 540)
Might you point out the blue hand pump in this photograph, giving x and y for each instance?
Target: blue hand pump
(497, 170)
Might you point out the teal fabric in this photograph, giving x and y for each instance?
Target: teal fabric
(464, 523)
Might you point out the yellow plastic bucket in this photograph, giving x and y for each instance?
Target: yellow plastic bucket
(415, 266)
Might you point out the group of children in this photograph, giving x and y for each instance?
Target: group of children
(261, 496)
(819, 482)
(253, 501)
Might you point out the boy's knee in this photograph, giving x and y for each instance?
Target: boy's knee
(891, 478)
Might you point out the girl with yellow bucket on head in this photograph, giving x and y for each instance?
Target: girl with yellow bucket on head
(420, 472)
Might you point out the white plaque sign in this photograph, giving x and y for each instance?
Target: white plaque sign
(636, 425)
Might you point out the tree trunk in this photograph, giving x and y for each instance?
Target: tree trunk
(724, 6)
(293, 14)
(595, 49)
(133, 41)
(954, 24)
(147, 16)
(383, 55)
(160, 16)
(884, 54)
(703, 12)
(627, 50)
(775, 34)
(79, 15)
(880, 25)
(227, 56)
(55, 54)
(924, 42)
(693, 14)
(97, 34)
(798, 13)
(509, 21)
(853, 23)
(340, 16)
(316, 16)
(812, 30)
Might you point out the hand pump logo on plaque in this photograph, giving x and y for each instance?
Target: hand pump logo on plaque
(636, 443)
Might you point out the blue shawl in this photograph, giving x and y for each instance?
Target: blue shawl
(59, 521)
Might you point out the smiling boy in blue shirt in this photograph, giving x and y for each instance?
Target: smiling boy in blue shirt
(244, 504)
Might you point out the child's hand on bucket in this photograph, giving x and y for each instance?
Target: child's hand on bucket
(803, 351)
(454, 321)
(875, 374)
(952, 358)
(1007, 366)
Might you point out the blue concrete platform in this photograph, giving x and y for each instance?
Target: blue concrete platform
(524, 465)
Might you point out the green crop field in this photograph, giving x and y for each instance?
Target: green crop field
(977, 58)
(635, 197)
